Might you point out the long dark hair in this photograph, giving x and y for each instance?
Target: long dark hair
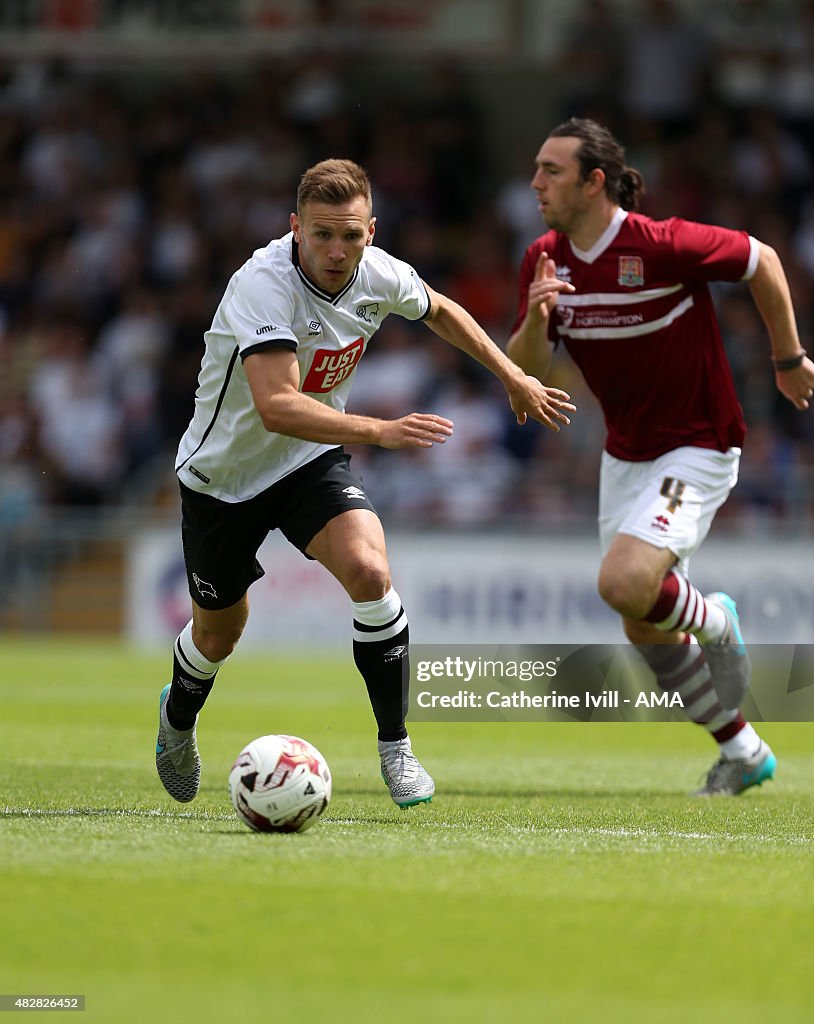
(599, 149)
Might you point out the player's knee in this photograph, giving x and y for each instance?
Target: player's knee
(367, 579)
(215, 646)
(625, 592)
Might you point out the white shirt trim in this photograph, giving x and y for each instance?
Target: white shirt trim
(604, 240)
(617, 298)
(754, 259)
(609, 333)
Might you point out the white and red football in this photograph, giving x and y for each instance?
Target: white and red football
(280, 783)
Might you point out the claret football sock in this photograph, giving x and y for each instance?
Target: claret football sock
(680, 606)
(714, 621)
(193, 677)
(682, 668)
(744, 759)
(381, 639)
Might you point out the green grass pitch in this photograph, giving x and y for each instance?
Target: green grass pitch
(561, 874)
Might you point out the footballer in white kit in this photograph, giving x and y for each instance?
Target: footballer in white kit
(264, 452)
(271, 304)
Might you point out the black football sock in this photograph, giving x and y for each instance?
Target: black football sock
(381, 640)
(193, 677)
(187, 696)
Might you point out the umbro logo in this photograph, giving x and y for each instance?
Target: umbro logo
(396, 653)
(355, 492)
(265, 328)
(368, 311)
(314, 327)
(190, 685)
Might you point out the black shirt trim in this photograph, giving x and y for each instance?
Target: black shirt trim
(314, 288)
(221, 397)
(270, 344)
(428, 310)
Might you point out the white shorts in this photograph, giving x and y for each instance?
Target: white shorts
(669, 502)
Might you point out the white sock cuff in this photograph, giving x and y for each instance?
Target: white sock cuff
(378, 620)
(745, 743)
(378, 613)
(198, 666)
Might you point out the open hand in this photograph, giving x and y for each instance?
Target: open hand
(418, 430)
(548, 406)
(797, 385)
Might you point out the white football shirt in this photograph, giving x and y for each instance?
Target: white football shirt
(270, 303)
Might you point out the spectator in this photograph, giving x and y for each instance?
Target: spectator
(110, 193)
(80, 426)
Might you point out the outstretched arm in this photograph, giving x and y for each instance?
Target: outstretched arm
(274, 379)
(527, 396)
(770, 291)
(529, 346)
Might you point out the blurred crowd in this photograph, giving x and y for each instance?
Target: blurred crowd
(127, 201)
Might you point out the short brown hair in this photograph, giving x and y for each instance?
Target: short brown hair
(599, 149)
(333, 181)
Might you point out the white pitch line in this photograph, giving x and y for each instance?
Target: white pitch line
(614, 833)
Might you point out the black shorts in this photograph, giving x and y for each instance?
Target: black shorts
(221, 539)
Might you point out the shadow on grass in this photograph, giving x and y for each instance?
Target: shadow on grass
(230, 826)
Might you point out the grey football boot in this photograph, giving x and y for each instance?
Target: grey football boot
(176, 756)
(730, 778)
(407, 781)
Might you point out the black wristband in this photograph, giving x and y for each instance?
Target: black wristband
(791, 363)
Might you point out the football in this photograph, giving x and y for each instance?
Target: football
(280, 784)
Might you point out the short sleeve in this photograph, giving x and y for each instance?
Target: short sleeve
(706, 252)
(411, 300)
(260, 312)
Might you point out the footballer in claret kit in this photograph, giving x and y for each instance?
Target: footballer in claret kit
(639, 321)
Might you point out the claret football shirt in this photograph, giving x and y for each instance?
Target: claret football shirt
(642, 328)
